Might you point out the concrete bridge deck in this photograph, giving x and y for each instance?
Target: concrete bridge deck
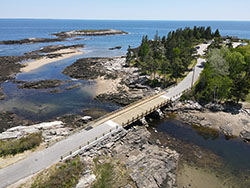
(123, 117)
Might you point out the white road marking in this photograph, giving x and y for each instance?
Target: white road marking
(111, 123)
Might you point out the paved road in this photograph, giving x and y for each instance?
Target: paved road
(191, 78)
(51, 155)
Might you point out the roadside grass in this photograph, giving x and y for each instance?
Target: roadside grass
(248, 98)
(110, 173)
(64, 175)
(104, 174)
(15, 146)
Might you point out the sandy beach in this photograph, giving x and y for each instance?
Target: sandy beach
(66, 53)
(106, 85)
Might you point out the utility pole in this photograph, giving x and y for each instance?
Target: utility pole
(192, 83)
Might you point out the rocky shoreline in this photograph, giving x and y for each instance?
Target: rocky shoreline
(131, 86)
(145, 163)
(31, 41)
(231, 120)
(11, 65)
(55, 48)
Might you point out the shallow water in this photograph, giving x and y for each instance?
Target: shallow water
(234, 153)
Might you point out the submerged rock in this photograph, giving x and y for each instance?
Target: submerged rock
(227, 129)
(42, 84)
(115, 48)
(245, 135)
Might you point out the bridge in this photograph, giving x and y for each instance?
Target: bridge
(98, 129)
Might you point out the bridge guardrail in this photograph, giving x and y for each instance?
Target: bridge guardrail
(123, 108)
(75, 151)
(89, 143)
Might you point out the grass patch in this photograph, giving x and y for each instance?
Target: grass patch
(248, 98)
(110, 173)
(64, 175)
(15, 146)
(104, 173)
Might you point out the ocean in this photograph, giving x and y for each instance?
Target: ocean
(28, 103)
(15, 29)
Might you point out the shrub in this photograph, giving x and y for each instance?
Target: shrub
(14, 146)
(65, 175)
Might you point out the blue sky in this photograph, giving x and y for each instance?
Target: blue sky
(127, 9)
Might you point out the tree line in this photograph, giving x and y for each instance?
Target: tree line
(226, 75)
(167, 58)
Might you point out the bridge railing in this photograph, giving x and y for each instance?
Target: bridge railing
(89, 143)
(137, 102)
(123, 108)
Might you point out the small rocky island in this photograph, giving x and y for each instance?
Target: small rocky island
(98, 32)
(63, 36)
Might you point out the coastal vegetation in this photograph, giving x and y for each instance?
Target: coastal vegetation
(15, 146)
(105, 173)
(61, 175)
(167, 58)
(110, 173)
(226, 76)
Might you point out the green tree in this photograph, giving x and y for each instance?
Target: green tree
(217, 34)
(238, 75)
(129, 55)
(164, 67)
(208, 33)
(144, 51)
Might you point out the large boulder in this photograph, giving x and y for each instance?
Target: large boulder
(214, 107)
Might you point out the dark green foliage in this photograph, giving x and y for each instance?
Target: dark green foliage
(169, 57)
(217, 34)
(129, 55)
(14, 146)
(187, 96)
(226, 76)
(66, 175)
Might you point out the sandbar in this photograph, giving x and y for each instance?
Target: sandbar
(65, 53)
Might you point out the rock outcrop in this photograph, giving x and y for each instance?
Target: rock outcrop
(42, 84)
(148, 164)
(31, 41)
(130, 87)
(230, 119)
(245, 134)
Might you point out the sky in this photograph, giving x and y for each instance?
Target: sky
(127, 9)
